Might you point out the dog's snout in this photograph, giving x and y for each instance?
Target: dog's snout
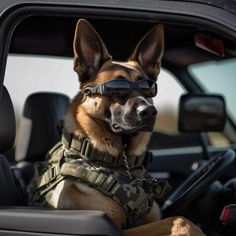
(146, 111)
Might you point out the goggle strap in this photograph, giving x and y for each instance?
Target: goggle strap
(92, 90)
(101, 89)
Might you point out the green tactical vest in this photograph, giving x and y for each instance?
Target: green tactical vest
(76, 159)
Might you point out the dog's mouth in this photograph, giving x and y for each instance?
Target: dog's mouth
(116, 128)
(131, 128)
(128, 129)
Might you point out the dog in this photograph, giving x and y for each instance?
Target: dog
(102, 155)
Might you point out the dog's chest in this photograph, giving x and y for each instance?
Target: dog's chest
(110, 183)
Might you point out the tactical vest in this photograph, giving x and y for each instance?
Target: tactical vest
(74, 158)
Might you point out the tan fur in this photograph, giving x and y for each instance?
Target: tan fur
(172, 226)
(138, 144)
(84, 115)
(87, 114)
(72, 195)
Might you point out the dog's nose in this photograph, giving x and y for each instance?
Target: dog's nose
(146, 111)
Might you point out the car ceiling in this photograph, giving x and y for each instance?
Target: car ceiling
(229, 5)
(47, 35)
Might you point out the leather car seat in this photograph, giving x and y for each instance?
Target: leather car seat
(38, 130)
(9, 192)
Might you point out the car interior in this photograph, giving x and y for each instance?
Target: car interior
(203, 174)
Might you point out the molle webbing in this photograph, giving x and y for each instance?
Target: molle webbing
(130, 196)
(66, 162)
(84, 149)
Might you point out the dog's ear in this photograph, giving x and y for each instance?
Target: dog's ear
(89, 50)
(149, 51)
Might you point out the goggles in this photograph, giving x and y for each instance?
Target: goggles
(122, 88)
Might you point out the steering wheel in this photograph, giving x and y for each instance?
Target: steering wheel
(197, 182)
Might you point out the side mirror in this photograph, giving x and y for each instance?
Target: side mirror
(201, 113)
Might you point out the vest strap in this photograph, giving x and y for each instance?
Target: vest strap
(84, 149)
(132, 197)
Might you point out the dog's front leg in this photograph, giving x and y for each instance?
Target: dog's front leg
(153, 215)
(73, 195)
(172, 226)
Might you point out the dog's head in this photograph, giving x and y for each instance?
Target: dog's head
(115, 101)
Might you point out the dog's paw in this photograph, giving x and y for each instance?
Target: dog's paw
(172, 226)
(179, 226)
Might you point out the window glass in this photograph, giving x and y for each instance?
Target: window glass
(218, 77)
(167, 103)
(26, 74)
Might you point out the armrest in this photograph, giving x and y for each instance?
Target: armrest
(35, 221)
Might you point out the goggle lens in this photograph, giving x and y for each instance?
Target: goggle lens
(148, 88)
(117, 88)
(122, 88)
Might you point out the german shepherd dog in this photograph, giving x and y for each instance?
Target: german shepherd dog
(114, 111)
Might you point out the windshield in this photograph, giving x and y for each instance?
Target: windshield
(218, 77)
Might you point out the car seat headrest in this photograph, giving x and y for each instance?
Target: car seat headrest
(39, 126)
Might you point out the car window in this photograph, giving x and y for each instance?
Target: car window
(167, 103)
(26, 74)
(218, 77)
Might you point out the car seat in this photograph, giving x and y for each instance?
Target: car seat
(38, 131)
(9, 194)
